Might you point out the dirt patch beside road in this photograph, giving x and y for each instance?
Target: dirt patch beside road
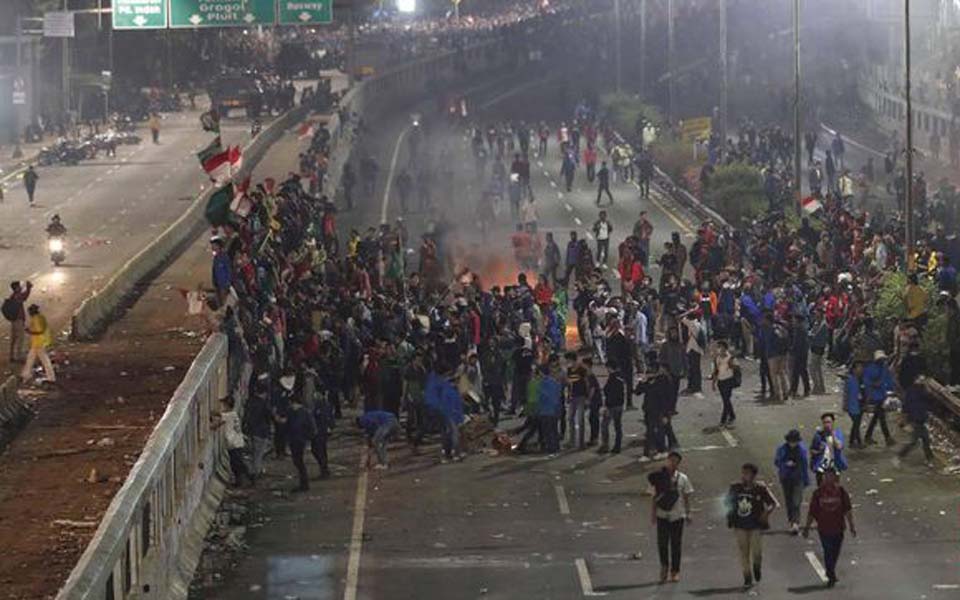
(60, 473)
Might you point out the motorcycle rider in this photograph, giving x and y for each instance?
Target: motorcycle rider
(56, 229)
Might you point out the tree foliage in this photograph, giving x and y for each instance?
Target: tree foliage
(623, 110)
(736, 192)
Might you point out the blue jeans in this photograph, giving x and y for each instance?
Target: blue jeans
(380, 438)
(451, 438)
(577, 420)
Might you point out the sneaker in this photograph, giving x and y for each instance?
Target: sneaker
(659, 456)
(747, 583)
(602, 450)
(664, 574)
(645, 459)
(381, 467)
(675, 577)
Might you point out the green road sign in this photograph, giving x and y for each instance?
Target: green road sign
(139, 14)
(222, 13)
(305, 12)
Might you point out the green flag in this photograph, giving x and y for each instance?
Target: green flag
(213, 149)
(218, 206)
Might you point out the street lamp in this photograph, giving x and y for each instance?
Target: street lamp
(797, 176)
(407, 6)
(908, 201)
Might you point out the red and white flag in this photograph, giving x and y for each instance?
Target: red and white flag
(217, 166)
(306, 130)
(236, 159)
(811, 204)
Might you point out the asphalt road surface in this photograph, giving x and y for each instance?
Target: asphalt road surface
(577, 525)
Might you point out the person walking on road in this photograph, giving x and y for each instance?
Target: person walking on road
(670, 511)
(831, 508)
(826, 447)
(154, 124)
(40, 340)
(30, 179)
(791, 461)
(14, 312)
(877, 383)
(603, 183)
(915, 405)
(602, 230)
(853, 403)
(614, 392)
(725, 381)
(749, 504)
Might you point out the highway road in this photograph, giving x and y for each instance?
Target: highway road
(575, 525)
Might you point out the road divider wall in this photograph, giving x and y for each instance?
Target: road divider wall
(14, 410)
(151, 536)
(106, 303)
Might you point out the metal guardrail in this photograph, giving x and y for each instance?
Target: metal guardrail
(139, 538)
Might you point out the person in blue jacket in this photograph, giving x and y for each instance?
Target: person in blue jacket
(441, 396)
(550, 397)
(379, 426)
(826, 447)
(792, 461)
(853, 403)
(877, 383)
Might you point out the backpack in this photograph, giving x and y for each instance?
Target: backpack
(10, 309)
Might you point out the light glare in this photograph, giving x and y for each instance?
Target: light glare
(407, 6)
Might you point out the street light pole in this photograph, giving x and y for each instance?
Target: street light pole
(723, 77)
(797, 168)
(908, 205)
(671, 109)
(17, 150)
(643, 48)
(617, 49)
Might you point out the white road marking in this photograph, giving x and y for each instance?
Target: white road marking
(577, 221)
(731, 441)
(553, 184)
(393, 168)
(815, 563)
(546, 174)
(562, 499)
(540, 163)
(356, 538)
(946, 586)
(560, 195)
(586, 584)
(568, 207)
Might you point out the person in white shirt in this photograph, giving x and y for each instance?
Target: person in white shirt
(669, 511)
(725, 380)
(228, 420)
(602, 230)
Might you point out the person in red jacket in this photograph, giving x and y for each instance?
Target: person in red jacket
(543, 293)
(590, 161)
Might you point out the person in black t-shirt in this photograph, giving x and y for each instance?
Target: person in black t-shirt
(749, 504)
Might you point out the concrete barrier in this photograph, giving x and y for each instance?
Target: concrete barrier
(14, 410)
(103, 305)
(148, 541)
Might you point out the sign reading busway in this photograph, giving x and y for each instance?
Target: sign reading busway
(222, 13)
(139, 14)
(305, 12)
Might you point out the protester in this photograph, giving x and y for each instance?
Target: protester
(379, 427)
(792, 461)
(13, 311)
(670, 511)
(749, 503)
(832, 510)
(40, 341)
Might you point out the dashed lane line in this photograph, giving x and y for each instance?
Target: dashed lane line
(562, 499)
(586, 584)
(731, 440)
(815, 563)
